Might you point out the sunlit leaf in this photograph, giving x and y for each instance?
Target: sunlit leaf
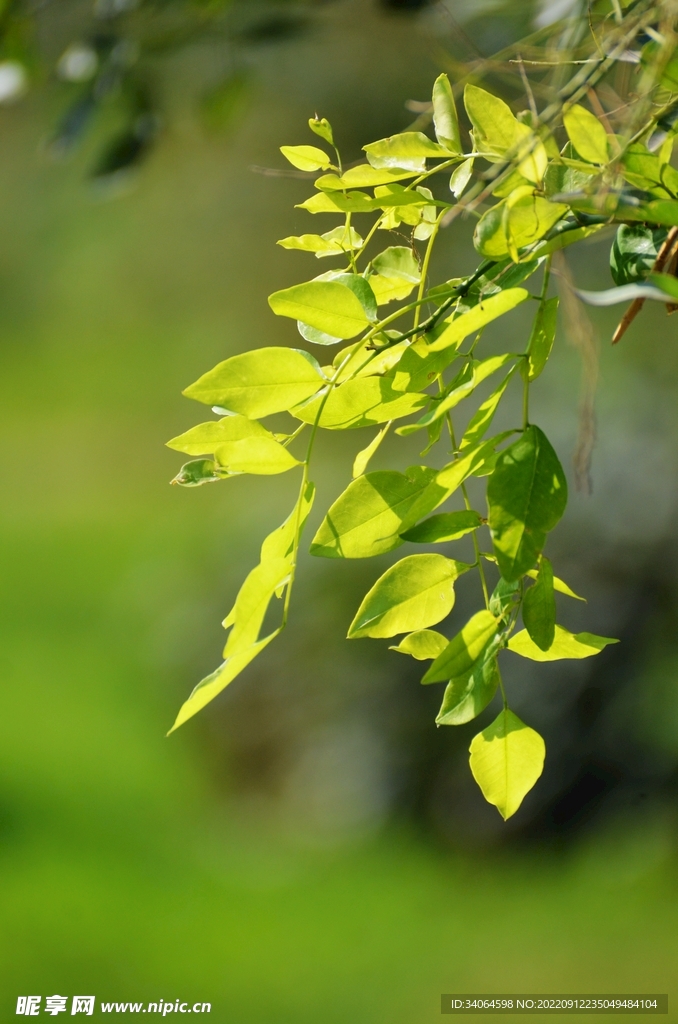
(280, 543)
(419, 366)
(398, 262)
(260, 382)
(586, 134)
(390, 289)
(467, 695)
(542, 337)
(329, 306)
(306, 158)
(424, 645)
(526, 496)
(479, 370)
(322, 127)
(260, 455)
(482, 419)
(507, 758)
(416, 592)
(367, 518)
(558, 585)
(486, 311)
(362, 176)
(460, 177)
(199, 472)
(493, 122)
(464, 649)
(445, 120)
(407, 151)
(565, 645)
(252, 602)
(444, 527)
(362, 402)
(205, 438)
(363, 457)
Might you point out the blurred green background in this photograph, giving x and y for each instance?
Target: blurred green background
(309, 848)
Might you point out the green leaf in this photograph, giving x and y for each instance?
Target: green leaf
(478, 372)
(486, 311)
(360, 287)
(280, 543)
(507, 758)
(205, 438)
(504, 596)
(329, 306)
(337, 202)
(306, 158)
(408, 151)
(362, 402)
(332, 243)
(445, 120)
(260, 382)
(526, 496)
(419, 367)
(263, 456)
(362, 176)
(464, 649)
(367, 518)
(252, 602)
(515, 223)
(398, 262)
(539, 608)
(423, 645)
(390, 289)
(322, 127)
(586, 134)
(199, 472)
(444, 527)
(565, 645)
(452, 476)
(213, 684)
(558, 585)
(416, 592)
(494, 125)
(460, 177)
(363, 457)
(316, 337)
(365, 362)
(466, 696)
(634, 252)
(481, 420)
(667, 283)
(542, 337)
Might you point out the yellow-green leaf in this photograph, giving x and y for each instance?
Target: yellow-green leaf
(486, 311)
(361, 402)
(363, 457)
(306, 158)
(586, 134)
(507, 758)
(445, 119)
(565, 645)
(558, 585)
(263, 456)
(406, 151)
(205, 438)
(424, 644)
(329, 306)
(464, 649)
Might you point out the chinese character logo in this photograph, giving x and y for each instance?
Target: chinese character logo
(83, 1004)
(55, 1004)
(28, 1005)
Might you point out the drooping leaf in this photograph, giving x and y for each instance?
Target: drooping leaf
(506, 760)
(565, 645)
(361, 402)
(260, 382)
(363, 457)
(467, 695)
(252, 602)
(444, 527)
(416, 592)
(526, 496)
(460, 177)
(558, 585)
(199, 472)
(315, 336)
(586, 134)
(205, 438)
(445, 120)
(408, 151)
(464, 649)
(479, 370)
(539, 608)
(280, 543)
(424, 645)
(213, 684)
(486, 311)
(306, 158)
(481, 420)
(367, 518)
(542, 337)
(263, 456)
(329, 306)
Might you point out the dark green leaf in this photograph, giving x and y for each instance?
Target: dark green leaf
(539, 607)
(634, 252)
(526, 496)
(542, 337)
(467, 695)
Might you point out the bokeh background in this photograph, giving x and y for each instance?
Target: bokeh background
(310, 848)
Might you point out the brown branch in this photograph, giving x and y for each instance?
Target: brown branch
(663, 256)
